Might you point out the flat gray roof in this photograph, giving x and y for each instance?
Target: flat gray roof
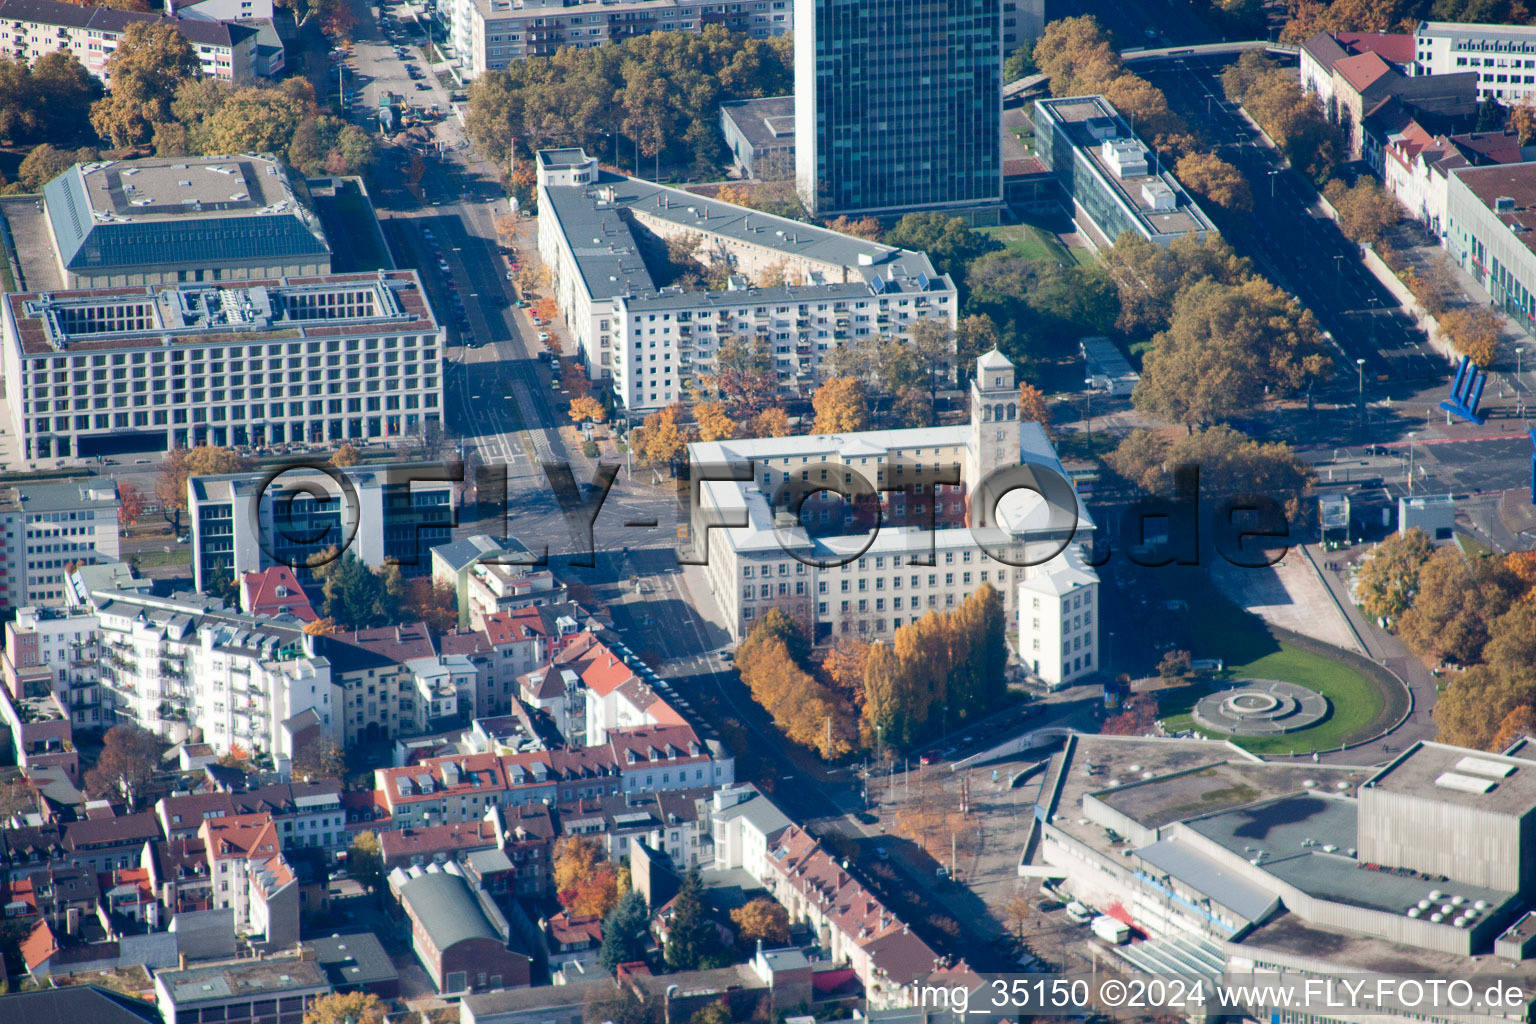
(65, 497)
(1195, 871)
(1218, 787)
(1073, 113)
(1291, 832)
(763, 122)
(222, 982)
(1422, 769)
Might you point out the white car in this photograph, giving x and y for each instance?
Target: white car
(543, 335)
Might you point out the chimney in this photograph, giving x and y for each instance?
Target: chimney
(181, 961)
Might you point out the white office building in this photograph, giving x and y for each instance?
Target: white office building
(249, 522)
(341, 357)
(1504, 56)
(655, 343)
(46, 527)
(775, 560)
(1058, 619)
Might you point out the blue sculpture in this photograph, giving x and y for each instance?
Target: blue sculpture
(1466, 392)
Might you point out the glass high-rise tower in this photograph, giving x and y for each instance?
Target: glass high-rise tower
(898, 104)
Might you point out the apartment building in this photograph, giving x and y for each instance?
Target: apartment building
(656, 343)
(182, 662)
(1059, 620)
(46, 527)
(178, 220)
(379, 693)
(1503, 56)
(31, 28)
(340, 357)
(461, 788)
(305, 814)
(898, 106)
(221, 10)
(249, 876)
(54, 650)
(928, 554)
(390, 514)
(490, 34)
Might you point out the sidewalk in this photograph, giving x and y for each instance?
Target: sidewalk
(1385, 649)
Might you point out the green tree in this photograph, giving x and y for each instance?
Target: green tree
(1230, 464)
(1457, 601)
(775, 623)
(1214, 179)
(714, 1013)
(365, 861)
(19, 116)
(1365, 210)
(346, 1008)
(1149, 277)
(693, 940)
(841, 406)
(626, 932)
(128, 760)
(152, 59)
(65, 91)
(949, 241)
(1389, 575)
(1226, 349)
(355, 597)
(1019, 64)
(43, 164)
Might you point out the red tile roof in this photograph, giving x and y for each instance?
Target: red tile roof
(1396, 47)
(39, 945)
(274, 591)
(1363, 70)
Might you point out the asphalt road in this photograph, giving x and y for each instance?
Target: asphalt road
(1303, 253)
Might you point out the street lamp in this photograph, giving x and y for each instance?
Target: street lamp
(1411, 435)
(1360, 399)
(1272, 183)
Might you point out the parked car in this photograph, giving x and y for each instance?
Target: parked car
(543, 335)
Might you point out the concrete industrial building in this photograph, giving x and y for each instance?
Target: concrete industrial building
(760, 134)
(1299, 869)
(400, 515)
(1113, 182)
(824, 569)
(173, 220)
(341, 357)
(655, 343)
(898, 106)
(1490, 214)
(30, 29)
(490, 34)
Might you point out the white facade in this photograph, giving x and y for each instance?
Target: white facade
(656, 344)
(848, 583)
(1059, 620)
(490, 34)
(1504, 56)
(64, 642)
(344, 357)
(176, 664)
(45, 527)
(33, 28)
(221, 10)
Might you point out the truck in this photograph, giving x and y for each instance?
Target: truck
(1111, 930)
(387, 118)
(1079, 913)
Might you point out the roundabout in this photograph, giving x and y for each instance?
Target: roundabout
(1261, 707)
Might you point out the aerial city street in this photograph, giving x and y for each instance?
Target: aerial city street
(782, 511)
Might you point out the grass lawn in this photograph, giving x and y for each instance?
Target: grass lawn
(1219, 629)
(1031, 242)
(175, 556)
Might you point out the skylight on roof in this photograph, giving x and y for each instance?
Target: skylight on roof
(1483, 766)
(1464, 783)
